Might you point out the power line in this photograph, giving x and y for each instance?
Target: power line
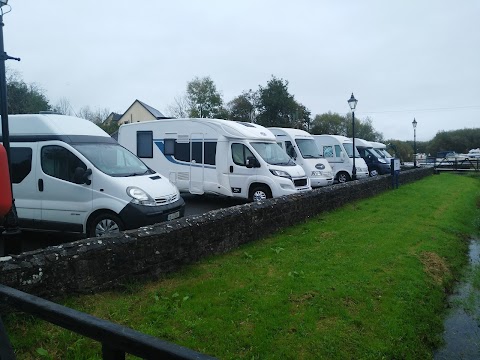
(420, 110)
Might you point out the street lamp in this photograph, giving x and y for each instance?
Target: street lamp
(352, 102)
(414, 123)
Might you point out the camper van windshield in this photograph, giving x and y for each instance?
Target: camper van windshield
(113, 159)
(348, 148)
(384, 153)
(308, 148)
(272, 153)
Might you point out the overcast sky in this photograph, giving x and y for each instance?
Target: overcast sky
(402, 60)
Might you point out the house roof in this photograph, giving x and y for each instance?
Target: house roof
(114, 116)
(152, 110)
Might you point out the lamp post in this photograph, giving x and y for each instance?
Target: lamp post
(352, 102)
(414, 123)
(11, 221)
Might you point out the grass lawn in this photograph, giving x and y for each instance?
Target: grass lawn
(367, 281)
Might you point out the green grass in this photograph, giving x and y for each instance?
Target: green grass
(368, 281)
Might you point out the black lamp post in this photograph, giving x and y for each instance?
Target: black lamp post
(414, 123)
(352, 102)
(11, 220)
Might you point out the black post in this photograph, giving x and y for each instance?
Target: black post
(11, 220)
(354, 170)
(414, 147)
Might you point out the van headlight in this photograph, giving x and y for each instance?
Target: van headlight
(139, 196)
(316, 173)
(281, 173)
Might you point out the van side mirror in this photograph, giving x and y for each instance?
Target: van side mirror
(252, 162)
(81, 176)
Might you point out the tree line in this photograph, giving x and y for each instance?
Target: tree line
(269, 105)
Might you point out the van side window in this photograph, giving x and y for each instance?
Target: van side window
(290, 149)
(328, 151)
(60, 163)
(197, 152)
(240, 154)
(21, 162)
(182, 151)
(338, 151)
(145, 144)
(169, 147)
(210, 152)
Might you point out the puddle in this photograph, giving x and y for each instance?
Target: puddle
(462, 324)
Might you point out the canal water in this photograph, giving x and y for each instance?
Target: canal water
(462, 325)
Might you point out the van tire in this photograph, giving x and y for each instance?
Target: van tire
(259, 192)
(104, 224)
(343, 177)
(373, 172)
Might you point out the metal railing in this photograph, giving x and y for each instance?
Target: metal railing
(116, 340)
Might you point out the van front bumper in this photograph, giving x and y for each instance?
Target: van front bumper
(135, 216)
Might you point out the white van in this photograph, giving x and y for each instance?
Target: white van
(302, 148)
(216, 156)
(338, 150)
(70, 175)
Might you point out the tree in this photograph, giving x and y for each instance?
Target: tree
(242, 108)
(63, 107)
(400, 149)
(179, 109)
(329, 123)
(459, 141)
(204, 100)
(277, 107)
(96, 116)
(23, 98)
(364, 129)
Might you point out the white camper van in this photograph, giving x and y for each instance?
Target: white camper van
(70, 175)
(339, 152)
(216, 156)
(377, 164)
(381, 149)
(302, 148)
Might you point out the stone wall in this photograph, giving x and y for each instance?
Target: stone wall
(95, 264)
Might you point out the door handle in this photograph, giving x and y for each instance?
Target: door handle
(40, 184)
(231, 168)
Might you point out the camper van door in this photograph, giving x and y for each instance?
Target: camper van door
(244, 168)
(62, 200)
(196, 164)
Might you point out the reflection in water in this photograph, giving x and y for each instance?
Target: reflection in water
(462, 325)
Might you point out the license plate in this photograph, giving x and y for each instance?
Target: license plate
(174, 215)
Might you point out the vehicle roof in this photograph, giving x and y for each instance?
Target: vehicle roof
(363, 143)
(290, 131)
(228, 128)
(52, 124)
(340, 138)
(378, 145)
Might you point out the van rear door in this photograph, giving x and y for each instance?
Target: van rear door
(65, 204)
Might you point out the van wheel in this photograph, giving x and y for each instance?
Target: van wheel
(258, 193)
(343, 177)
(373, 173)
(105, 224)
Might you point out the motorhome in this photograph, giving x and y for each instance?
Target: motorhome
(377, 164)
(303, 149)
(214, 156)
(339, 152)
(70, 175)
(382, 150)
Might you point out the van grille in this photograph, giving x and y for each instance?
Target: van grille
(300, 182)
(166, 199)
